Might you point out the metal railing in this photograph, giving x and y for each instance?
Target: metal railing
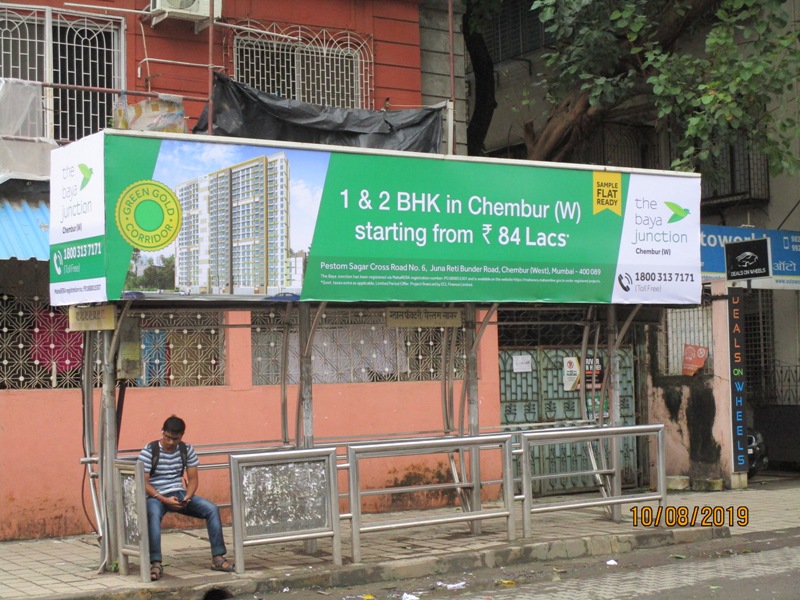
(469, 450)
(612, 494)
(356, 454)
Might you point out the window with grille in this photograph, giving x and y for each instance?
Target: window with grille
(739, 176)
(693, 326)
(685, 326)
(319, 67)
(181, 348)
(68, 49)
(515, 31)
(38, 351)
(523, 328)
(759, 330)
(354, 346)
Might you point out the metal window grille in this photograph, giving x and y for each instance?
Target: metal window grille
(693, 326)
(787, 385)
(355, 346)
(541, 327)
(332, 68)
(623, 145)
(37, 350)
(759, 346)
(684, 326)
(740, 175)
(515, 31)
(62, 47)
(180, 348)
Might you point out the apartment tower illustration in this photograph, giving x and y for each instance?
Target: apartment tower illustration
(235, 232)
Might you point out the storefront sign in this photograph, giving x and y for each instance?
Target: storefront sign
(226, 217)
(423, 317)
(738, 379)
(748, 259)
(92, 318)
(784, 253)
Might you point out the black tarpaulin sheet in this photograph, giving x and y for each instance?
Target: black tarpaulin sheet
(242, 111)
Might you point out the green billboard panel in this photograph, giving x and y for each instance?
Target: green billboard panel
(212, 216)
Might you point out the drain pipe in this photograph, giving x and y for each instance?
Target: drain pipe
(451, 142)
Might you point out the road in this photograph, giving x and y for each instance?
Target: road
(744, 567)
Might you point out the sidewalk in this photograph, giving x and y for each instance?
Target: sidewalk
(67, 567)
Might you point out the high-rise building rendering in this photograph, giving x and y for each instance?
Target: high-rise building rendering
(235, 232)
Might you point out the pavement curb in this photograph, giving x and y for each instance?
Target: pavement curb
(66, 568)
(513, 553)
(508, 554)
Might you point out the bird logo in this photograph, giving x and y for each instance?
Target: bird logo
(87, 172)
(678, 212)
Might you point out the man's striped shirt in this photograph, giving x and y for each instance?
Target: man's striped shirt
(168, 476)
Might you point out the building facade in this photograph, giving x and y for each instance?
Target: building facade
(67, 72)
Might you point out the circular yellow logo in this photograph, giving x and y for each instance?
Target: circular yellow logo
(149, 215)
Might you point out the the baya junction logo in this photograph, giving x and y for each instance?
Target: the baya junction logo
(87, 173)
(678, 212)
(148, 215)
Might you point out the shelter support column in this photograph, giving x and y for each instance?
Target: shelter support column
(305, 409)
(613, 402)
(471, 381)
(108, 449)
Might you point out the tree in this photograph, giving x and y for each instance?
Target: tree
(477, 13)
(605, 58)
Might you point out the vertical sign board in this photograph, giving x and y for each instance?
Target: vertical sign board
(738, 380)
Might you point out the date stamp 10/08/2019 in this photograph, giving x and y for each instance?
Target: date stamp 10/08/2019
(685, 516)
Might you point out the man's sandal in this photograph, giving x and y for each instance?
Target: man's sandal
(156, 571)
(220, 563)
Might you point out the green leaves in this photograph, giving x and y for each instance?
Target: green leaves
(711, 72)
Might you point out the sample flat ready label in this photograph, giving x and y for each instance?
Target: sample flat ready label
(365, 225)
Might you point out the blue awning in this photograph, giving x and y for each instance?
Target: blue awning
(24, 230)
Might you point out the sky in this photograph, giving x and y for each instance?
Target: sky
(180, 161)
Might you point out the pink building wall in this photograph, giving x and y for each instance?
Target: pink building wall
(43, 488)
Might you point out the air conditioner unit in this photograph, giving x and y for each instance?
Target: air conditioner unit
(191, 10)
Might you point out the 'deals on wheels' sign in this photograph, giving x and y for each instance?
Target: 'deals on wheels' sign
(287, 221)
(738, 380)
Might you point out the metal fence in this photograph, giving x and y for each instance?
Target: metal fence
(277, 467)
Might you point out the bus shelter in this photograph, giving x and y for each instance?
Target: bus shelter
(260, 222)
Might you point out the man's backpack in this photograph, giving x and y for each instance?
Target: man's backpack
(155, 451)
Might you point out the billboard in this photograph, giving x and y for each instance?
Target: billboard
(141, 213)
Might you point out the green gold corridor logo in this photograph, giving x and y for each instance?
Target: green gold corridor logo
(149, 215)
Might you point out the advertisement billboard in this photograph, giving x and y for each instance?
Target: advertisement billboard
(142, 213)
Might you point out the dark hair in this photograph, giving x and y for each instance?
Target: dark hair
(174, 425)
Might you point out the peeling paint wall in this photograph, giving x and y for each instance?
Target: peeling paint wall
(687, 408)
